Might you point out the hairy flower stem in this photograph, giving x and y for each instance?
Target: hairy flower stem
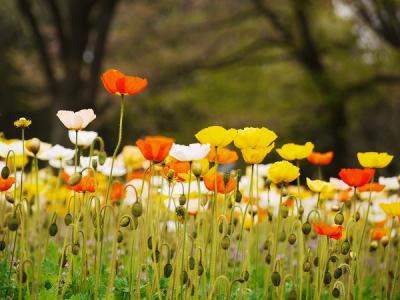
(244, 215)
(186, 219)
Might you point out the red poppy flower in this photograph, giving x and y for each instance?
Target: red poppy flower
(356, 177)
(5, 184)
(374, 187)
(209, 182)
(117, 191)
(178, 167)
(378, 233)
(155, 148)
(320, 159)
(333, 232)
(86, 184)
(116, 83)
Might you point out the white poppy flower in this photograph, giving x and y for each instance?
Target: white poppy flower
(15, 146)
(57, 152)
(85, 138)
(118, 168)
(189, 153)
(390, 183)
(339, 184)
(76, 120)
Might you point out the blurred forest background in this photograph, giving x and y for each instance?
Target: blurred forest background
(321, 70)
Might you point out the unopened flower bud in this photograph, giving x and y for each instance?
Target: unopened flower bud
(94, 164)
(184, 277)
(68, 219)
(337, 273)
(53, 229)
(384, 241)
(306, 228)
(125, 221)
(13, 223)
(9, 198)
(167, 270)
(336, 292)
(373, 246)
(5, 172)
(75, 249)
(120, 236)
(335, 208)
(276, 278)
(2, 245)
(192, 263)
(306, 266)
(102, 158)
(196, 168)
(345, 247)
(182, 199)
(245, 275)
(33, 145)
(292, 239)
(75, 179)
(137, 209)
(339, 218)
(238, 196)
(225, 242)
(327, 278)
(200, 269)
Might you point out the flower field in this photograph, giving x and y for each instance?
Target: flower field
(160, 220)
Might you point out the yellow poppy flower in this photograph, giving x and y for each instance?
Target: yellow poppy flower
(294, 151)
(283, 171)
(256, 156)
(319, 186)
(374, 160)
(132, 157)
(254, 138)
(391, 209)
(216, 136)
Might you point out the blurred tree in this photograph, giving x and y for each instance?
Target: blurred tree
(70, 38)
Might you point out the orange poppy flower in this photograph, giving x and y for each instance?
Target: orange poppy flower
(224, 156)
(374, 187)
(155, 148)
(137, 175)
(178, 167)
(117, 191)
(209, 182)
(378, 233)
(356, 177)
(333, 232)
(5, 184)
(320, 159)
(344, 196)
(116, 83)
(64, 176)
(85, 185)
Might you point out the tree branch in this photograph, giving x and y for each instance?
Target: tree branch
(26, 10)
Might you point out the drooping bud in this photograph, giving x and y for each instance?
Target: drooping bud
(68, 219)
(75, 179)
(238, 196)
(53, 229)
(225, 242)
(94, 164)
(339, 218)
(137, 209)
(337, 273)
(150, 243)
(373, 246)
(245, 275)
(226, 178)
(200, 269)
(292, 239)
(120, 236)
(10, 198)
(327, 278)
(102, 157)
(75, 249)
(13, 223)
(276, 278)
(125, 221)
(306, 228)
(336, 292)
(167, 270)
(182, 199)
(184, 277)
(284, 211)
(306, 266)
(2, 245)
(192, 263)
(345, 247)
(5, 172)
